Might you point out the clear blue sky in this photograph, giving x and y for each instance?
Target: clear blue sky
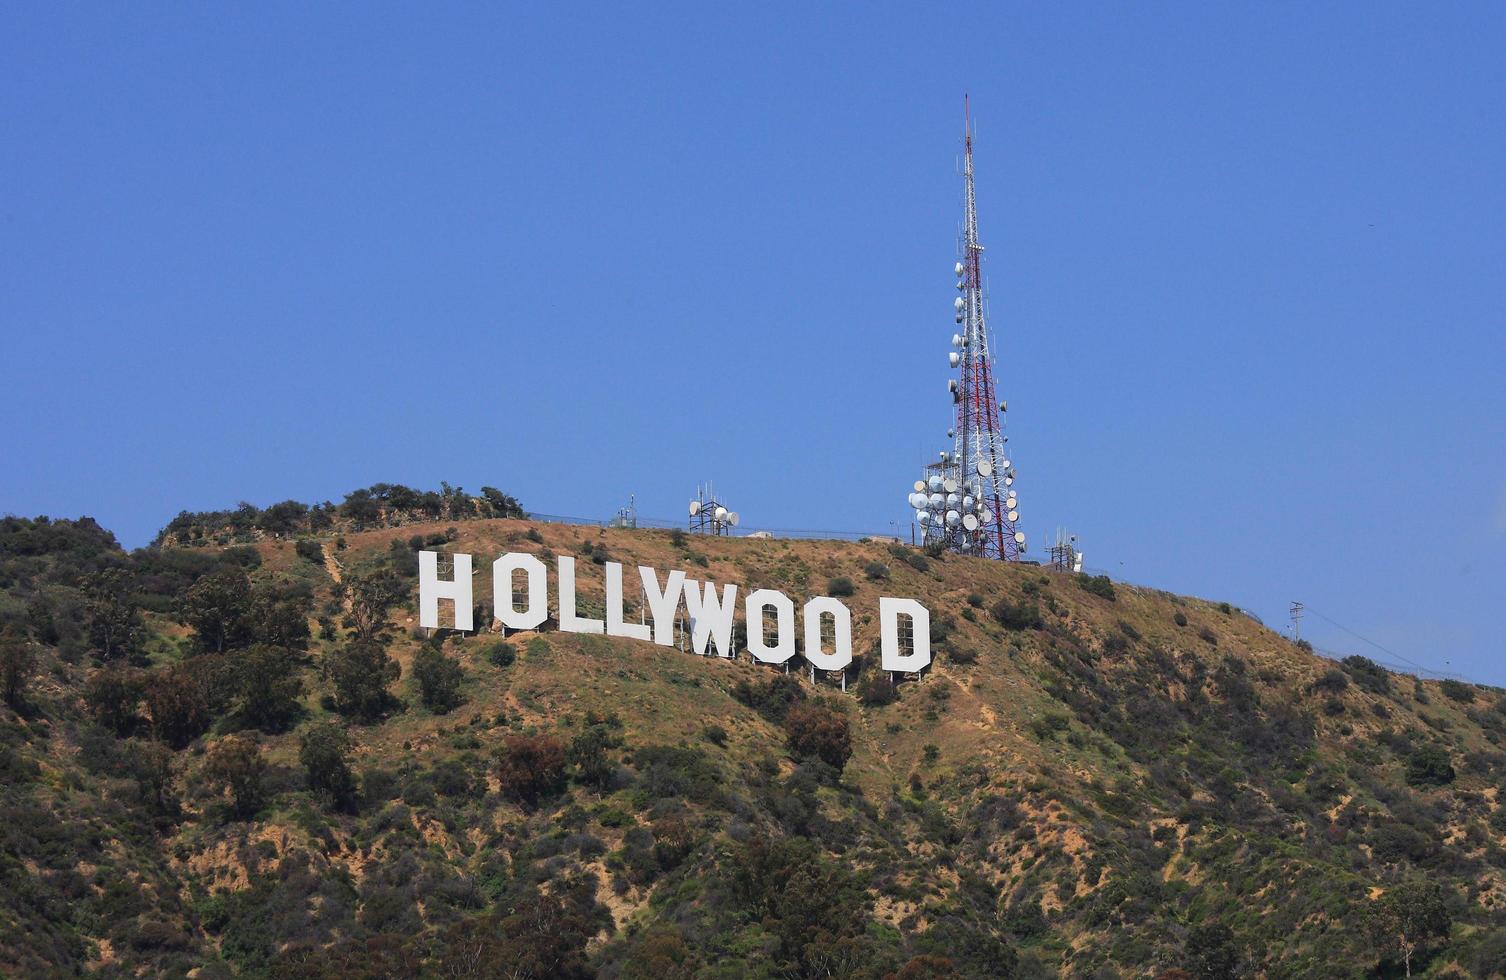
(1246, 272)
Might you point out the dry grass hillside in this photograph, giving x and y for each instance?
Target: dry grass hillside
(1091, 780)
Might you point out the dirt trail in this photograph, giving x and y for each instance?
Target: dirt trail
(330, 564)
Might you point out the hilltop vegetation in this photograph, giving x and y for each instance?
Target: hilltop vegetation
(379, 505)
(246, 760)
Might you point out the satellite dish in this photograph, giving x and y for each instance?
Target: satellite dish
(959, 302)
(988, 516)
(970, 522)
(1006, 464)
(1019, 537)
(954, 358)
(961, 285)
(953, 501)
(957, 269)
(951, 385)
(733, 518)
(953, 518)
(1003, 406)
(720, 514)
(695, 507)
(949, 485)
(958, 317)
(920, 486)
(935, 483)
(1007, 480)
(956, 340)
(937, 501)
(1014, 515)
(968, 503)
(985, 467)
(923, 517)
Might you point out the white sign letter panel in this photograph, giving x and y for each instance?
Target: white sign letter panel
(784, 610)
(839, 658)
(710, 617)
(569, 622)
(920, 628)
(538, 591)
(615, 625)
(431, 590)
(662, 605)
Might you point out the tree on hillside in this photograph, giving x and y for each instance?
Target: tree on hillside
(177, 704)
(1410, 916)
(269, 685)
(360, 672)
(284, 518)
(235, 765)
(816, 730)
(370, 596)
(112, 694)
(17, 661)
(500, 504)
(323, 750)
(114, 623)
(1429, 766)
(660, 954)
(588, 753)
(151, 766)
(536, 936)
(531, 767)
(438, 678)
(1210, 952)
(218, 608)
(280, 617)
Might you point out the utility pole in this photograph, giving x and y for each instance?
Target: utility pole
(1296, 612)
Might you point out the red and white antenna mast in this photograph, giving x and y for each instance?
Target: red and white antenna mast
(967, 502)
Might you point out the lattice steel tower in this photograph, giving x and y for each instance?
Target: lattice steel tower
(967, 502)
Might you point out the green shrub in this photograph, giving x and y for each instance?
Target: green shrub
(439, 678)
(1334, 681)
(1098, 585)
(876, 571)
(1017, 616)
(815, 730)
(359, 673)
(1180, 619)
(531, 767)
(1368, 674)
(1458, 691)
(877, 690)
(235, 765)
(324, 751)
(1429, 766)
(840, 587)
(502, 654)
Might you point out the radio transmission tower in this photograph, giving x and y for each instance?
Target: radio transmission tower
(967, 502)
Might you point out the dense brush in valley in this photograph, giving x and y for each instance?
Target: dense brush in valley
(246, 760)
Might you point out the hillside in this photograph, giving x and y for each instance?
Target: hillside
(211, 769)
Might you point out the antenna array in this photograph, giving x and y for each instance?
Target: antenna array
(708, 515)
(966, 501)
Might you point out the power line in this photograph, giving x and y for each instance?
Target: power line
(1386, 650)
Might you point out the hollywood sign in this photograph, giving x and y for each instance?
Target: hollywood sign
(710, 613)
